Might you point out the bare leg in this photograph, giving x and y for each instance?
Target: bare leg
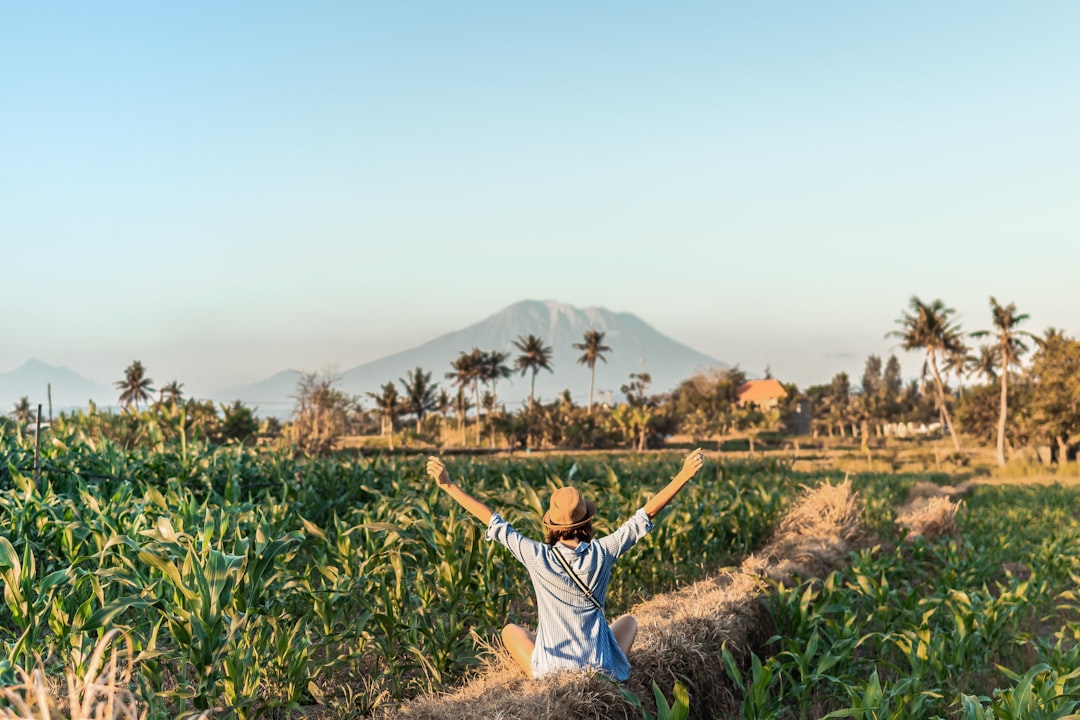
(520, 642)
(625, 630)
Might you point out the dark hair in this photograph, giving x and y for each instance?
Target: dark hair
(582, 533)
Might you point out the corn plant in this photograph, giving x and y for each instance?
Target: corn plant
(679, 709)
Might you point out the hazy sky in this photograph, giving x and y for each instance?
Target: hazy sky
(225, 190)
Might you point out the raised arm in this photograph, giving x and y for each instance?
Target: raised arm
(691, 465)
(437, 471)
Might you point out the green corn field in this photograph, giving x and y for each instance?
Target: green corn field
(249, 583)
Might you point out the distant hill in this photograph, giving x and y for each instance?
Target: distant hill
(272, 396)
(635, 347)
(69, 389)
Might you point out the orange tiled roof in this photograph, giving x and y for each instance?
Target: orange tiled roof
(758, 391)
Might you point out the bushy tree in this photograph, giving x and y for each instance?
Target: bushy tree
(978, 412)
(838, 402)
(238, 423)
(635, 416)
(705, 402)
(1055, 393)
(320, 413)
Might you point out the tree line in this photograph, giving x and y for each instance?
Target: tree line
(1014, 405)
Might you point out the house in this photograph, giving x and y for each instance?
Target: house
(766, 394)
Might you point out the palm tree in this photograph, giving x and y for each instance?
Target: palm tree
(464, 375)
(21, 414)
(171, 393)
(534, 357)
(492, 369)
(593, 349)
(958, 361)
(1009, 349)
(986, 363)
(135, 386)
(419, 394)
(1051, 335)
(930, 328)
(387, 405)
(443, 403)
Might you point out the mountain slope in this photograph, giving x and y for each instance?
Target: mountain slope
(635, 347)
(69, 389)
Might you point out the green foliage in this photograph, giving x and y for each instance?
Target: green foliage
(759, 702)
(250, 580)
(677, 710)
(705, 402)
(1055, 401)
(977, 412)
(238, 423)
(930, 629)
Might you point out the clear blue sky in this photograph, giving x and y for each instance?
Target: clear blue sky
(225, 190)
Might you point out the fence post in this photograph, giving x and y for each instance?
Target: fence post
(37, 447)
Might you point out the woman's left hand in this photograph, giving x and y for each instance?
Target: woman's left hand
(693, 462)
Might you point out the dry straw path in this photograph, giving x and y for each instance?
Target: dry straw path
(682, 633)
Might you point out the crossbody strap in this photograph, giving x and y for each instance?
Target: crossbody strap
(577, 581)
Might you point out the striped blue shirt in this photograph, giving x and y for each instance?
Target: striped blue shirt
(571, 633)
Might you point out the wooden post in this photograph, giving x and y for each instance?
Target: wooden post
(37, 447)
(48, 389)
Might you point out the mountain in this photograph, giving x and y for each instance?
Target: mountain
(635, 347)
(69, 389)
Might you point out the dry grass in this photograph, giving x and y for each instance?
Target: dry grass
(501, 691)
(932, 518)
(681, 634)
(102, 693)
(815, 537)
(930, 509)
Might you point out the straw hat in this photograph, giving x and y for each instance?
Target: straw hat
(568, 509)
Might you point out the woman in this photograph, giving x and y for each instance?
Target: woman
(570, 574)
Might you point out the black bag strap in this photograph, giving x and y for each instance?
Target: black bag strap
(577, 581)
